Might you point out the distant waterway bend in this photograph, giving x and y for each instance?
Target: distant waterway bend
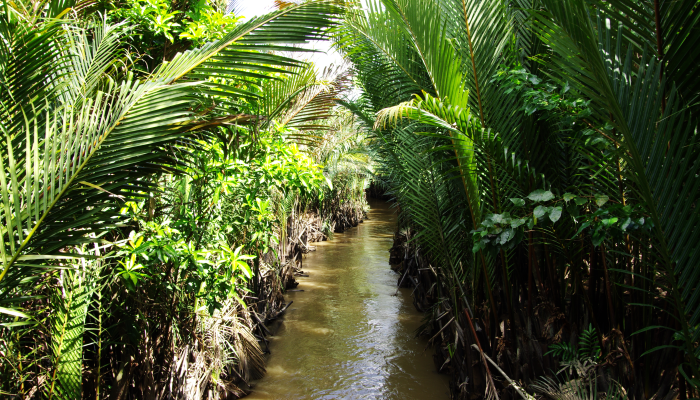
(347, 336)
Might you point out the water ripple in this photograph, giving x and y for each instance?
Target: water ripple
(347, 336)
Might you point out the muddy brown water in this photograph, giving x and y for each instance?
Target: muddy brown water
(347, 336)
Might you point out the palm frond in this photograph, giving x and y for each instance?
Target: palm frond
(54, 160)
(68, 325)
(660, 147)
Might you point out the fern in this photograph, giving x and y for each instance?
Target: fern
(588, 345)
(588, 348)
(563, 350)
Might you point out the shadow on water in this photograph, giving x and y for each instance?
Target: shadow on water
(347, 336)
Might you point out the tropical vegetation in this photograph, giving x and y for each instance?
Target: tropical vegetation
(153, 154)
(160, 157)
(544, 156)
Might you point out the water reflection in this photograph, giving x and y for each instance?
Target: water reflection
(347, 336)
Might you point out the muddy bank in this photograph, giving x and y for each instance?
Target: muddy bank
(519, 352)
(444, 329)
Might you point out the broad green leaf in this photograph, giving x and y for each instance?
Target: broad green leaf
(505, 236)
(609, 221)
(517, 222)
(245, 268)
(601, 199)
(540, 211)
(531, 222)
(518, 202)
(598, 236)
(500, 218)
(540, 195)
(555, 214)
(626, 224)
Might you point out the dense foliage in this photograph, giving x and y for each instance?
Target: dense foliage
(545, 153)
(153, 153)
(158, 155)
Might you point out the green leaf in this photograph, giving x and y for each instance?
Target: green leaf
(540, 195)
(665, 346)
(580, 201)
(648, 328)
(555, 214)
(517, 222)
(68, 327)
(518, 202)
(626, 224)
(245, 268)
(569, 196)
(581, 228)
(505, 236)
(601, 199)
(609, 221)
(540, 211)
(500, 218)
(14, 313)
(598, 237)
(18, 324)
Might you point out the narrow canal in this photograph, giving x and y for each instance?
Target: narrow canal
(347, 336)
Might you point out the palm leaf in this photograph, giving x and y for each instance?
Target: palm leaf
(68, 326)
(109, 140)
(671, 29)
(660, 151)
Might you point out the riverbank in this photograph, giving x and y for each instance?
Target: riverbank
(444, 329)
(247, 328)
(349, 333)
